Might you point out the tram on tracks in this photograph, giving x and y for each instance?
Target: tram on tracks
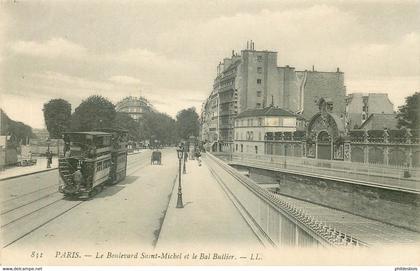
(119, 151)
(92, 160)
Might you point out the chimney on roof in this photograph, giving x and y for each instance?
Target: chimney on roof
(247, 44)
(338, 69)
(233, 52)
(313, 68)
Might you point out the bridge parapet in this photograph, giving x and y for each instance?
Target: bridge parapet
(275, 221)
(389, 176)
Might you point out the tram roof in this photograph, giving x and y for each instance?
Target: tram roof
(95, 133)
(113, 130)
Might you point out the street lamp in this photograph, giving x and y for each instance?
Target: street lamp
(48, 154)
(184, 149)
(180, 152)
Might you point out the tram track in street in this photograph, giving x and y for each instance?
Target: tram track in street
(39, 211)
(26, 198)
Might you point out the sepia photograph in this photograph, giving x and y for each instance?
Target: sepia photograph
(241, 133)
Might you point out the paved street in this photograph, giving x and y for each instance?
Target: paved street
(127, 213)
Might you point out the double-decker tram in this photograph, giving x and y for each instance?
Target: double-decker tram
(88, 163)
(119, 141)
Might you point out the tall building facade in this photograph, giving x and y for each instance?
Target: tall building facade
(252, 80)
(360, 106)
(135, 107)
(210, 120)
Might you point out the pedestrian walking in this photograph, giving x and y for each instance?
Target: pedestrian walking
(198, 156)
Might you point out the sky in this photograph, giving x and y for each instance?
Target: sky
(167, 51)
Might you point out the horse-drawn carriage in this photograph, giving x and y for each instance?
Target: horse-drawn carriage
(156, 158)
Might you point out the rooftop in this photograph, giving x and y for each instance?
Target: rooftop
(89, 133)
(381, 121)
(267, 111)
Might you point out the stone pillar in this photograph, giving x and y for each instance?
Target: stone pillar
(410, 156)
(332, 147)
(366, 148)
(347, 151)
(386, 149)
(408, 136)
(386, 155)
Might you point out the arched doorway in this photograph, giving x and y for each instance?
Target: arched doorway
(325, 133)
(324, 145)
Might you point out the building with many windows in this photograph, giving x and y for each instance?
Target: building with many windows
(252, 80)
(360, 106)
(135, 107)
(210, 122)
(253, 125)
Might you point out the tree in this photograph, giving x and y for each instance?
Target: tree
(125, 122)
(159, 126)
(187, 122)
(408, 115)
(19, 131)
(93, 113)
(57, 115)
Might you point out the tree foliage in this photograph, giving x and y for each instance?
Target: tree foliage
(408, 115)
(125, 122)
(57, 115)
(159, 126)
(93, 113)
(187, 122)
(19, 131)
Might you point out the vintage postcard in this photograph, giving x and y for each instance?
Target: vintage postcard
(209, 133)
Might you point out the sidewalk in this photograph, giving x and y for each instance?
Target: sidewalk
(208, 219)
(40, 166)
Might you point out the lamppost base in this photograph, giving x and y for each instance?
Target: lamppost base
(179, 203)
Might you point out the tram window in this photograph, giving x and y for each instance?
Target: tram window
(99, 166)
(98, 142)
(106, 141)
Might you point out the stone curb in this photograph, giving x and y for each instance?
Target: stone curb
(26, 174)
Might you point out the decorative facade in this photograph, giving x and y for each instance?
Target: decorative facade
(135, 107)
(252, 80)
(326, 137)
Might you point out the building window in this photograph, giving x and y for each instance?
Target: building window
(258, 93)
(259, 58)
(259, 81)
(260, 121)
(259, 70)
(242, 148)
(258, 105)
(256, 149)
(236, 147)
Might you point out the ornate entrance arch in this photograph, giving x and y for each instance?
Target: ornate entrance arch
(325, 133)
